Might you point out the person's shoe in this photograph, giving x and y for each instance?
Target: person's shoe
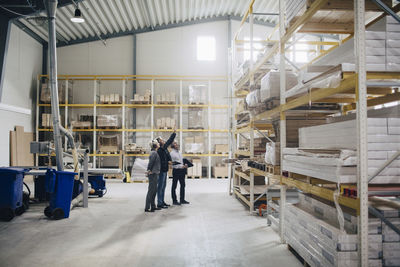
(185, 202)
(162, 207)
(146, 210)
(176, 203)
(157, 208)
(165, 204)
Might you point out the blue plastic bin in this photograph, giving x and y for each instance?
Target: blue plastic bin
(98, 184)
(11, 184)
(60, 185)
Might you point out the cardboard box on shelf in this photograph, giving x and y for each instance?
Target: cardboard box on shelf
(221, 148)
(220, 170)
(20, 147)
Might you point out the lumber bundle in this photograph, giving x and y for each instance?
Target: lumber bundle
(329, 151)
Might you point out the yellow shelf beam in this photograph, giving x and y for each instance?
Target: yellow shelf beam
(242, 175)
(141, 130)
(139, 106)
(324, 193)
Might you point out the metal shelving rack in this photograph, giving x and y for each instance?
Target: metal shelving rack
(355, 82)
(124, 106)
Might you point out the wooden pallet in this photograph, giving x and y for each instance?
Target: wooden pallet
(82, 127)
(196, 103)
(140, 102)
(109, 152)
(194, 177)
(110, 102)
(135, 152)
(113, 176)
(297, 255)
(221, 177)
(107, 127)
(196, 128)
(164, 128)
(166, 102)
(221, 153)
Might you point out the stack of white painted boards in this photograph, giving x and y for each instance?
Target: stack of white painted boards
(312, 228)
(329, 151)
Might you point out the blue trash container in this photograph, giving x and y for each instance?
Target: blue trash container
(60, 186)
(98, 185)
(11, 184)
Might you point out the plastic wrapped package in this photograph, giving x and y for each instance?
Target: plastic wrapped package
(139, 169)
(108, 121)
(197, 94)
(45, 93)
(194, 148)
(195, 118)
(272, 153)
(109, 143)
(253, 98)
(270, 84)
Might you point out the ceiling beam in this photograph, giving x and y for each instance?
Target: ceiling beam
(159, 28)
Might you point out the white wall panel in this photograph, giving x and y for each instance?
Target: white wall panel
(23, 64)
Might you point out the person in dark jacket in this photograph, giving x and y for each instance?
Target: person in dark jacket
(165, 159)
(153, 170)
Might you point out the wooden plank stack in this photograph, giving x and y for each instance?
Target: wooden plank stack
(108, 121)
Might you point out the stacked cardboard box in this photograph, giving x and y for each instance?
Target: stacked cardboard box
(196, 170)
(108, 143)
(221, 148)
(166, 98)
(220, 171)
(45, 93)
(142, 99)
(134, 148)
(111, 99)
(165, 123)
(20, 147)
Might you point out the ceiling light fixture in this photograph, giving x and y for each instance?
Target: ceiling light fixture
(77, 18)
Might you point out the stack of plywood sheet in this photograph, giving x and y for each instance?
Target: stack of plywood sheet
(20, 147)
(45, 93)
(315, 157)
(313, 230)
(270, 84)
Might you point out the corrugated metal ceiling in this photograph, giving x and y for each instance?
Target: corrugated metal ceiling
(110, 18)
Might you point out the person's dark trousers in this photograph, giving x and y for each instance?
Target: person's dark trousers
(151, 192)
(178, 175)
(162, 181)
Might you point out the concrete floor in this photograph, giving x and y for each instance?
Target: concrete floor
(214, 230)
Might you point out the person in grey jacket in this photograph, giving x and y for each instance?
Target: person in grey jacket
(153, 171)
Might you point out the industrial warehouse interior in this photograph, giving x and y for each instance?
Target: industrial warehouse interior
(200, 133)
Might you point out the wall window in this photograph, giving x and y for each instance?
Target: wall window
(206, 50)
(257, 47)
